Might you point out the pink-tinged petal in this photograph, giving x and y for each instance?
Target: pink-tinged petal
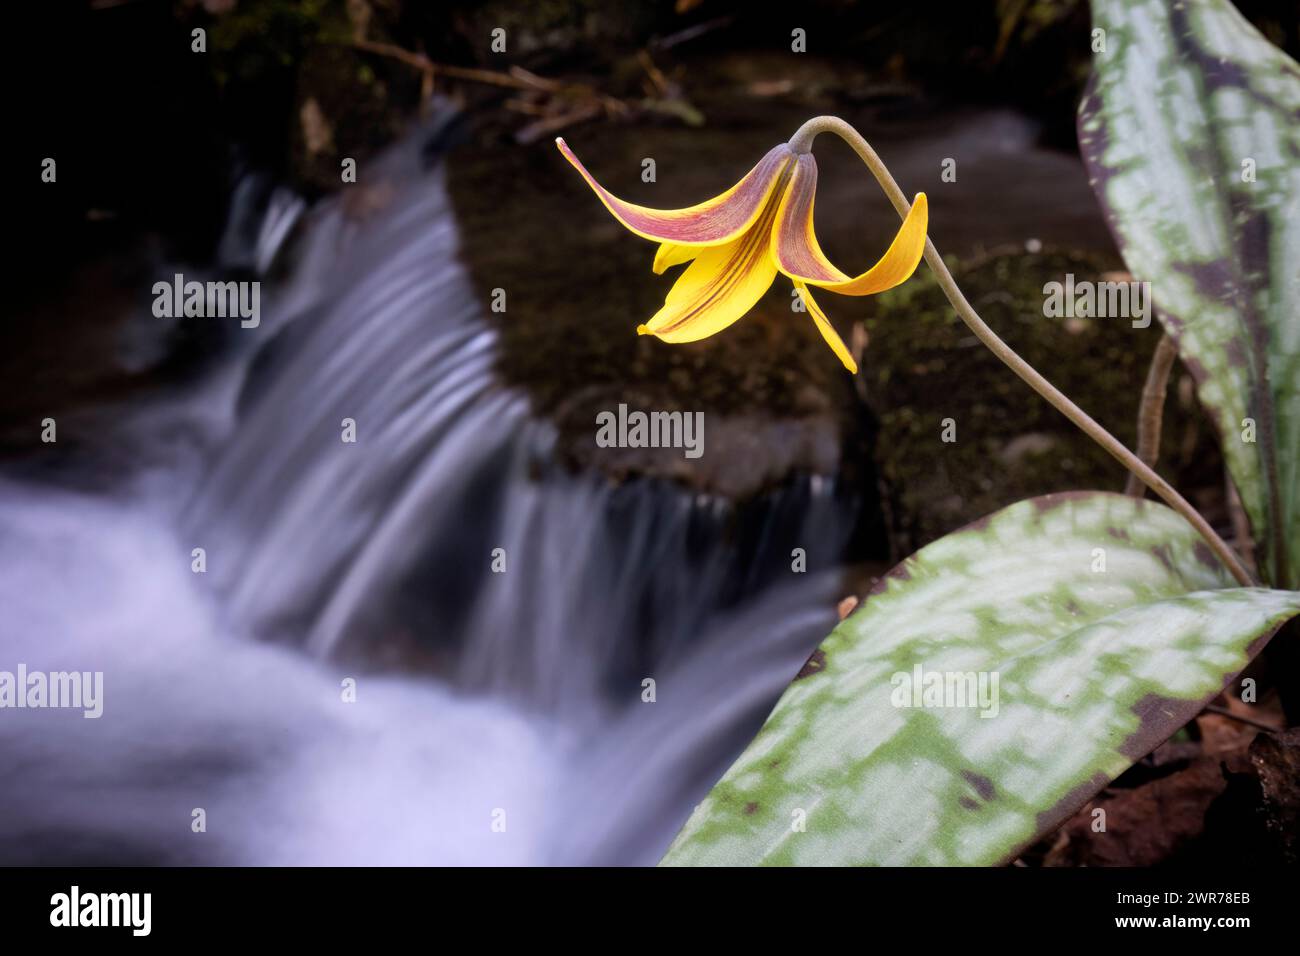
(715, 221)
(799, 255)
(826, 329)
(670, 255)
(794, 244)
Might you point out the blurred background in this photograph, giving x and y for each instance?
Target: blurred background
(524, 690)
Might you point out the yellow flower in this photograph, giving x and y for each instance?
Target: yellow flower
(737, 242)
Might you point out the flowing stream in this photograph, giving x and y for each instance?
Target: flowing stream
(498, 717)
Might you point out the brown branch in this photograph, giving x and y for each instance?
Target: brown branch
(691, 33)
(553, 124)
(517, 78)
(1225, 712)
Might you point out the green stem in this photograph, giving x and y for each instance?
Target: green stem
(802, 141)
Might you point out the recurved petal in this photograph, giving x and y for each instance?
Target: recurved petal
(713, 221)
(670, 255)
(798, 254)
(826, 329)
(719, 287)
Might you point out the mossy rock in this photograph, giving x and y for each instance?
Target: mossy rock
(924, 366)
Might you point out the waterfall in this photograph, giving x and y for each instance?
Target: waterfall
(500, 716)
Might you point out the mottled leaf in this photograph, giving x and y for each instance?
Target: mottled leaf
(1108, 625)
(1191, 132)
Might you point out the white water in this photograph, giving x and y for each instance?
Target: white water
(476, 692)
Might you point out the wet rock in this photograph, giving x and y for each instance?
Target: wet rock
(926, 377)
(1276, 760)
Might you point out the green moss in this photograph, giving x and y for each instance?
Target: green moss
(924, 365)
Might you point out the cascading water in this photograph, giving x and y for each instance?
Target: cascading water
(482, 698)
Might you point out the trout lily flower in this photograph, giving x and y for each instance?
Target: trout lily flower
(737, 242)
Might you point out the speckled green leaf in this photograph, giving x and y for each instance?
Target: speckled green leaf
(1094, 669)
(1185, 104)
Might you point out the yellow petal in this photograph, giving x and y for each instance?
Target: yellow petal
(798, 254)
(714, 221)
(670, 255)
(826, 329)
(719, 287)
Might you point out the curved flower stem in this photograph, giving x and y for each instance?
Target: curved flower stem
(801, 142)
(1151, 412)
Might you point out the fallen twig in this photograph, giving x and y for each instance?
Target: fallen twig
(1225, 712)
(690, 33)
(516, 77)
(577, 102)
